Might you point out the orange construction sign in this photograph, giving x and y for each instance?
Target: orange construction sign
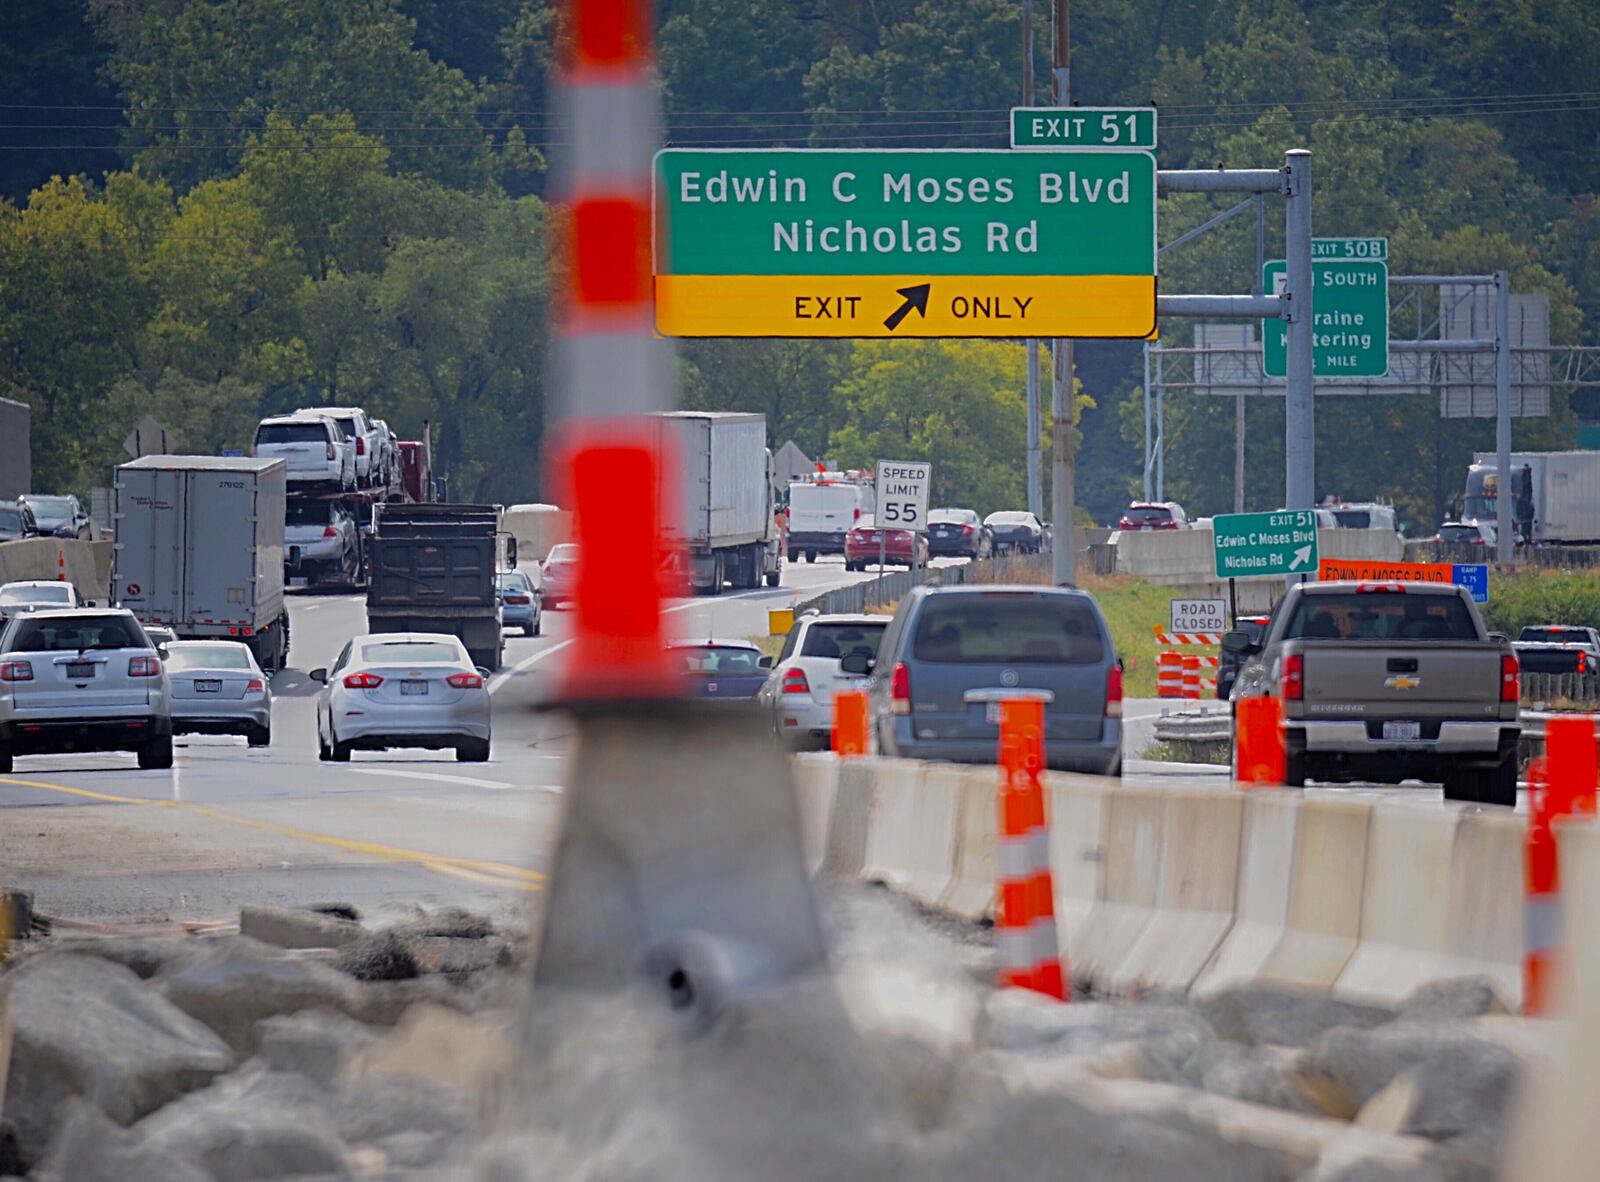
(1362, 570)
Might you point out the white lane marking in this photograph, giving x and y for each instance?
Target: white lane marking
(500, 678)
(469, 781)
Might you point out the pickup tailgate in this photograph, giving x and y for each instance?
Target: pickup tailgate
(1392, 679)
(1555, 658)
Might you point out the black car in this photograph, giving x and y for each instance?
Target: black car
(16, 522)
(1228, 666)
(1017, 531)
(959, 532)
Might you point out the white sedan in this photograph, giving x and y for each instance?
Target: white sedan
(403, 689)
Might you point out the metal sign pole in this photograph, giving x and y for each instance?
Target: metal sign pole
(1505, 490)
(1299, 412)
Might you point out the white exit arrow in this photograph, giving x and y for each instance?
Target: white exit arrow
(1301, 555)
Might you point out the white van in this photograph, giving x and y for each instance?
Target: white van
(822, 511)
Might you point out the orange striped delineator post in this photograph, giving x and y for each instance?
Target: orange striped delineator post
(1258, 741)
(849, 723)
(61, 564)
(1025, 928)
(1191, 677)
(1169, 674)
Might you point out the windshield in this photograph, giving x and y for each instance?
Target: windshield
(303, 432)
(1147, 513)
(51, 507)
(1380, 615)
(58, 593)
(70, 634)
(714, 660)
(182, 656)
(1353, 518)
(566, 552)
(837, 641)
(1006, 628)
(409, 652)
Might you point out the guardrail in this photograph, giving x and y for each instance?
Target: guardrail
(1581, 689)
(888, 588)
(1554, 556)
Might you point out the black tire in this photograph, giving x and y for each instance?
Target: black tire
(5, 762)
(538, 626)
(811, 555)
(472, 751)
(1296, 766)
(259, 736)
(324, 752)
(156, 755)
(530, 629)
(774, 577)
(340, 752)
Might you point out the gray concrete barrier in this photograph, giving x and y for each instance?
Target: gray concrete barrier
(87, 564)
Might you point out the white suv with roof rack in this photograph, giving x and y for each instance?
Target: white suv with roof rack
(363, 435)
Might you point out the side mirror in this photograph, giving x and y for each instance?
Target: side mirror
(90, 603)
(857, 663)
(482, 672)
(319, 675)
(161, 651)
(511, 551)
(765, 662)
(1237, 642)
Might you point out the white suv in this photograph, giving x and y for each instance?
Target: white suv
(361, 431)
(82, 680)
(807, 674)
(313, 449)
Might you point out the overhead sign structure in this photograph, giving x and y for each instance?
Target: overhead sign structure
(825, 243)
(902, 494)
(1350, 310)
(1474, 576)
(1255, 545)
(1198, 615)
(1116, 128)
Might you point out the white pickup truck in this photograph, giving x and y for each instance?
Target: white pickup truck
(1387, 682)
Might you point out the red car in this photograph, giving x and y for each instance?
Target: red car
(861, 546)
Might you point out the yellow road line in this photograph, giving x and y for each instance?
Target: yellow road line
(471, 869)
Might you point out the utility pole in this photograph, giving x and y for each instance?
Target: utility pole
(1505, 487)
(1063, 474)
(1299, 405)
(1035, 456)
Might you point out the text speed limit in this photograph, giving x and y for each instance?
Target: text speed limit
(902, 493)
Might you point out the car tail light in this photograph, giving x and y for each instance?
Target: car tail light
(329, 532)
(330, 451)
(363, 681)
(794, 682)
(900, 689)
(1583, 662)
(1510, 687)
(144, 666)
(255, 686)
(1294, 677)
(518, 599)
(1114, 692)
(967, 529)
(16, 671)
(1125, 523)
(464, 681)
(361, 446)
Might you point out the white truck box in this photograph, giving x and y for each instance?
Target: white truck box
(721, 505)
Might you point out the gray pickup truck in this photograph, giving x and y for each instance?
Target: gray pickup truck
(1387, 682)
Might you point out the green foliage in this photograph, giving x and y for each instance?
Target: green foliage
(1534, 596)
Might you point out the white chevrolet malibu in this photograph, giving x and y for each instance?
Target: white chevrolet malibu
(403, 689)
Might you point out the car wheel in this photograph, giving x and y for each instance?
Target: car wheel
(340, 752)
(473, 751)
(259, 736)
(530, 629)
(811, 555)
(5, 762)
(774, 577)
(324, 752)
(1296, 767)
(156, 754)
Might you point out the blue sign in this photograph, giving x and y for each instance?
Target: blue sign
(1474, 576)
(233, 451)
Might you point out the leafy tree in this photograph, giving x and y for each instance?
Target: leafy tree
(790, 381)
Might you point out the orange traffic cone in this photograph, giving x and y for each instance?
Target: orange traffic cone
(1025, 929)
(1258, 740)
(849, 723)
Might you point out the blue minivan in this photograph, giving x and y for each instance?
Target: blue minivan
(952, 654)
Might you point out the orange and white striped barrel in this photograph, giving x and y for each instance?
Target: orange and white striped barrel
(1169, 675)
(1191, 676)
(1541, 911)
(1025, 928)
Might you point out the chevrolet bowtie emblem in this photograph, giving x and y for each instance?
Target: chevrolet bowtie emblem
(1401, 683)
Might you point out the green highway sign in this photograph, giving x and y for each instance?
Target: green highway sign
(938, 243)
(1084, 127)
(1253, 545)
(1350, 336)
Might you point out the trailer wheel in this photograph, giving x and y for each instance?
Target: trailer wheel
(811, 555)
(774, 577)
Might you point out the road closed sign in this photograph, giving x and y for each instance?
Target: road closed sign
(902, 493)
(1198, 615)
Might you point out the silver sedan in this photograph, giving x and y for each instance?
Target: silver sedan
(403, 689)
(218, 689)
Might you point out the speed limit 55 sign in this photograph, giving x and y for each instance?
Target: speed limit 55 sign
(902, 493)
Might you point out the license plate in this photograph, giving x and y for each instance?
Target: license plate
(991, 713)
(413, 688)
(1402, 730)
(205, 685)
(78, 670)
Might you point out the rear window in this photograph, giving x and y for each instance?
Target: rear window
(837, 641)
(1459, 533)
(61, 594)
(1380, 615)
(513, 581)
(70, 634)
(1555, 635)
(409, 652)
(717, 660)
(348, 426)
(303, 512)
(1149, 513)
(1353, 518)
(566, 552)
(291, 433)
(952, 517)
(1008, 629)
(1011, 519)
(208, 656)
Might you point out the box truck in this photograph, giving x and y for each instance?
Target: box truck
(199, 548)
(1555, 495)
(721, 515)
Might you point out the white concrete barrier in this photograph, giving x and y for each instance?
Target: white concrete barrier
(1261, 906)
(537, 529)
(1195, 893)
(816, 781)
(1076, 808)
(850, 819)
(1325, 880)
(88, 564)
(973, 885)
(912, 840)
(1127, 896)
(1487, 887)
